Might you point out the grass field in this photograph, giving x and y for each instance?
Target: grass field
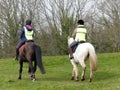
(58, 73)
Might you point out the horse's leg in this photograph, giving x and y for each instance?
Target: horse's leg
(31, 69)
(90, 75)
(75, 71)
(20, 69)
(29, 72)
(34, 69)
(72, 77)
(83, 70)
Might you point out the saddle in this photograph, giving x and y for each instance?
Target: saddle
(21, 48)
(74, 47)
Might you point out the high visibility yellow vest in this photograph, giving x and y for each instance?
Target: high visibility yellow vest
(80, 33)
(28, 34)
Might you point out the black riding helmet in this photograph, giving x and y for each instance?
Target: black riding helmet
(28, 22)
(80, 22)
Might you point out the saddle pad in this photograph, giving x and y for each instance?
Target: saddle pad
(21, 48)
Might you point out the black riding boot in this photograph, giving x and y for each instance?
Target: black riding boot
(70, 52)
(17, 54)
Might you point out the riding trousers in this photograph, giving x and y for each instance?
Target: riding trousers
(74, 45)
(20, 44)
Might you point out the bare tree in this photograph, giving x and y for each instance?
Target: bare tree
(61, 17)
(107, 22)
(54, 20)
(13, 14)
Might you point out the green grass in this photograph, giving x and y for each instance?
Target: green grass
(58, 73)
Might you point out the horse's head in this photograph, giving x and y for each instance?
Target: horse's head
(70, 40)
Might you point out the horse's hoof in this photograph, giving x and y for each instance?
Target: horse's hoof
(77, 80)
(19, 78)
(33, 79)
(72, 78)
(82, 79)
(90, 80)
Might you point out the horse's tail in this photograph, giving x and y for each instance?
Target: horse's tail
(93, 58)
(38, 55)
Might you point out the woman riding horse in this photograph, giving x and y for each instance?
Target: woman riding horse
(80, 35)
(83, 52)
(26, 34)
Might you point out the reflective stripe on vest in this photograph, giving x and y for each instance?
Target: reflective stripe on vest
(80, 34)
(28, 34)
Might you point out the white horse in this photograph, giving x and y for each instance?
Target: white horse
(83, 52)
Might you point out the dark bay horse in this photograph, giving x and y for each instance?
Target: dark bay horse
(30, 53)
